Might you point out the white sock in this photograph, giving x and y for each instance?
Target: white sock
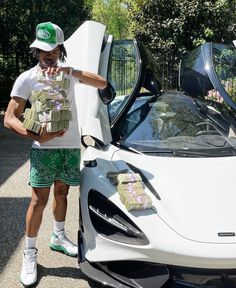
(58, 226)
(30, 242)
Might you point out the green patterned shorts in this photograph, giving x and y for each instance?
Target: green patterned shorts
(49, 165)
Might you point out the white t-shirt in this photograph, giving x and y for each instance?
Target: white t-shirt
(23, 87)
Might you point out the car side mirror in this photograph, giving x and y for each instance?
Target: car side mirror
(107, 94)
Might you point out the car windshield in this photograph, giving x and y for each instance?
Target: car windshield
(180, 125)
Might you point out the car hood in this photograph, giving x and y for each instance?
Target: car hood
(197, 195)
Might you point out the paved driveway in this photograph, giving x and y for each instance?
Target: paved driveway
(54, 269)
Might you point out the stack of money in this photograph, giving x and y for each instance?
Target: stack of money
(131, 191)
(57, 125)
(55, 80)
(51, 115)
(36, 106)
(140, 202)
(50, 107)
(128, 177)
(112, 175)
(66, 115)
(52, 104)
(48, 93)
(30, 114)
(133, 188)
(32, 125)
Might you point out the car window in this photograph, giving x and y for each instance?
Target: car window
(193, 75)
(209, 71)
(224, 59)
(122, 73)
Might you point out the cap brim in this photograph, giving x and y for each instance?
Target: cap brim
(43, 45)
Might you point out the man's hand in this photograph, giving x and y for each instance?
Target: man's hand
(55, 70)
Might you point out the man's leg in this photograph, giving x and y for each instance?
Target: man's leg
(33, 220)
(35, 211)
(59, 205)
(59, 241)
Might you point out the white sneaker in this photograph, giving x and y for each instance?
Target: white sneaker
(62, 244)
(28, 275)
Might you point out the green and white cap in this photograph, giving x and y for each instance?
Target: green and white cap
(48, 36)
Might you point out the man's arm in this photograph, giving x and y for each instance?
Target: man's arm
(15, 108)
(90, 78)
(85, 77)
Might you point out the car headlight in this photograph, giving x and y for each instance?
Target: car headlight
(109, 221)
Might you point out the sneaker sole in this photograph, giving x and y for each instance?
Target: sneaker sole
(62, 250)
(30, 285)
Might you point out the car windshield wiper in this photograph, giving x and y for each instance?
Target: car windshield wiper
(229, 151)
(178, 153)
(127, 148)
(131, 149)
(205, 153)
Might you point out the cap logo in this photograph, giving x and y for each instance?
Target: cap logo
(44, 34)
(48, 36)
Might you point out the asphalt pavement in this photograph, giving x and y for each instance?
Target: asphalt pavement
(54, 269)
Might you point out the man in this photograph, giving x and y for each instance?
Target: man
(55, 156)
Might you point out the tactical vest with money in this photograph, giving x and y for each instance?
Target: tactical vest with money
(50, 107)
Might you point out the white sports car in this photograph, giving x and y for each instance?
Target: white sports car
(182, 149)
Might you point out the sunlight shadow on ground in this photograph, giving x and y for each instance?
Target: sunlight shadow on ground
(12, 221)
(63, 272)
(14, 152)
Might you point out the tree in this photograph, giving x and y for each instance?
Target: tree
(171, 28)
(18, 20)
(114, 15)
